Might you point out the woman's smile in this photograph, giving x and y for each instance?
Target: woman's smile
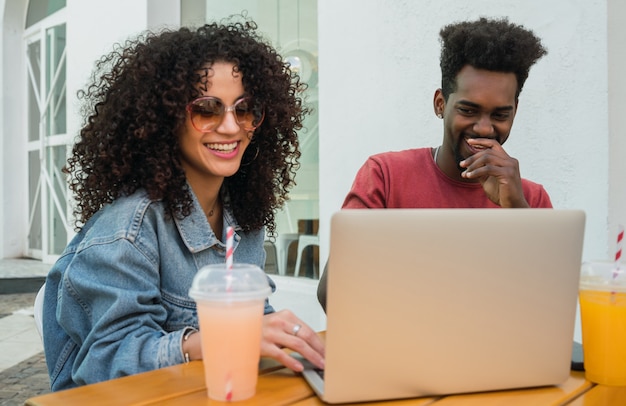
(224, 147)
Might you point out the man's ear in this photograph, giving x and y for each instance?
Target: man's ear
(439, 103)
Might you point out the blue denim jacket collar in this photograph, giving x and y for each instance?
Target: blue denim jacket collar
(193, 228)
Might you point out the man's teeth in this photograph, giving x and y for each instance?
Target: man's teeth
(222, 147)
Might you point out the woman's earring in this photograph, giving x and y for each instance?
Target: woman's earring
(250, 134)
(440, 115)
(253, 158)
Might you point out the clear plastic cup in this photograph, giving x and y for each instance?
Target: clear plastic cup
(230, 313)
(602, 298)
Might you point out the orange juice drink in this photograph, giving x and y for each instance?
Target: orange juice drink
(230, 306)
(231, 346)
(603, 320)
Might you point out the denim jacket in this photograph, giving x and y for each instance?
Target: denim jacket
(116, 302)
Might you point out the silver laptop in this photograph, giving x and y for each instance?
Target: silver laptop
(425, 302)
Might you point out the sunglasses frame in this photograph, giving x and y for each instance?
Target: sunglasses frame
(225, 109)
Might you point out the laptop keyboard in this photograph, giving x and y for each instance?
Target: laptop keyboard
(320, 372)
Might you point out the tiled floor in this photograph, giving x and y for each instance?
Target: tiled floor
(22, 364)
(19, 340)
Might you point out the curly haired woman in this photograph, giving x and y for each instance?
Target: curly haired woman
(188, 132)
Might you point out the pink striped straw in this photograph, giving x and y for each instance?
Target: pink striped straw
(230, 234)
(618, 250)
(229, 388)
(618, 254)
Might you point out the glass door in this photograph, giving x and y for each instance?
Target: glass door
(47, 138)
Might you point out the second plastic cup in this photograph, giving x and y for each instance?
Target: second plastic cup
(602, 298)
(230, 313)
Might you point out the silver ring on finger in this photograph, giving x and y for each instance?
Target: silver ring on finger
(296, 329)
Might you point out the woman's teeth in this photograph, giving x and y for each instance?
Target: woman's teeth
(222, 147)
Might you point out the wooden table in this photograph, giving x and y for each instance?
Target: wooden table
(184, 385)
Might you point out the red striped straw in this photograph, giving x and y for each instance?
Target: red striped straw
(618, 255)
(230, 234)
(618, 250)
(229, 388)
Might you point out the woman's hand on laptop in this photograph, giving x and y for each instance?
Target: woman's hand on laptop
(284, 329)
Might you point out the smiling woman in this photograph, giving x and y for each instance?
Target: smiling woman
(214, 138)
(188, 133)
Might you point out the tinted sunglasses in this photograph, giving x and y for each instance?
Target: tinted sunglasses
(207, 112)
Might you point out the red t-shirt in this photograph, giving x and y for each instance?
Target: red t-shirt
(411, 179)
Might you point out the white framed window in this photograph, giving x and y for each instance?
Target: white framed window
(45, 128)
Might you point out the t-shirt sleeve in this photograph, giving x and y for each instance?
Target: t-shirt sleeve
(542, 200)
(536, 195)
(367, 190)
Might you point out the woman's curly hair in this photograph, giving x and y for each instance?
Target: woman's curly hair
(494, 45)
(136, 105)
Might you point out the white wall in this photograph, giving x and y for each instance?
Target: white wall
(617, 118)
(13, 220)
(108, 23)
(379, 68)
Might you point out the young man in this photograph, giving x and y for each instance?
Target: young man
(484, 65)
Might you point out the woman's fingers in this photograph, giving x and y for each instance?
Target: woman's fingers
(284, 330)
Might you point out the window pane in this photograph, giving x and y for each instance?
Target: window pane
(55, 81)
(57, 200)
(40, 9)
(34, 207)
(34, 63)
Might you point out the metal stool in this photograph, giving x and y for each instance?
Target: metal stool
(283, 241)
(304, 240)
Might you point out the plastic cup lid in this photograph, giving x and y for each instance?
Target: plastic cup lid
(242, 282)
(604, 276)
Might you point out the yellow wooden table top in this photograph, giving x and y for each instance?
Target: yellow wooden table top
(602, 395)
(184, 385)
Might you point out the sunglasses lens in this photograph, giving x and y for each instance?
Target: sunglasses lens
(206, 113)
(248, 115)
